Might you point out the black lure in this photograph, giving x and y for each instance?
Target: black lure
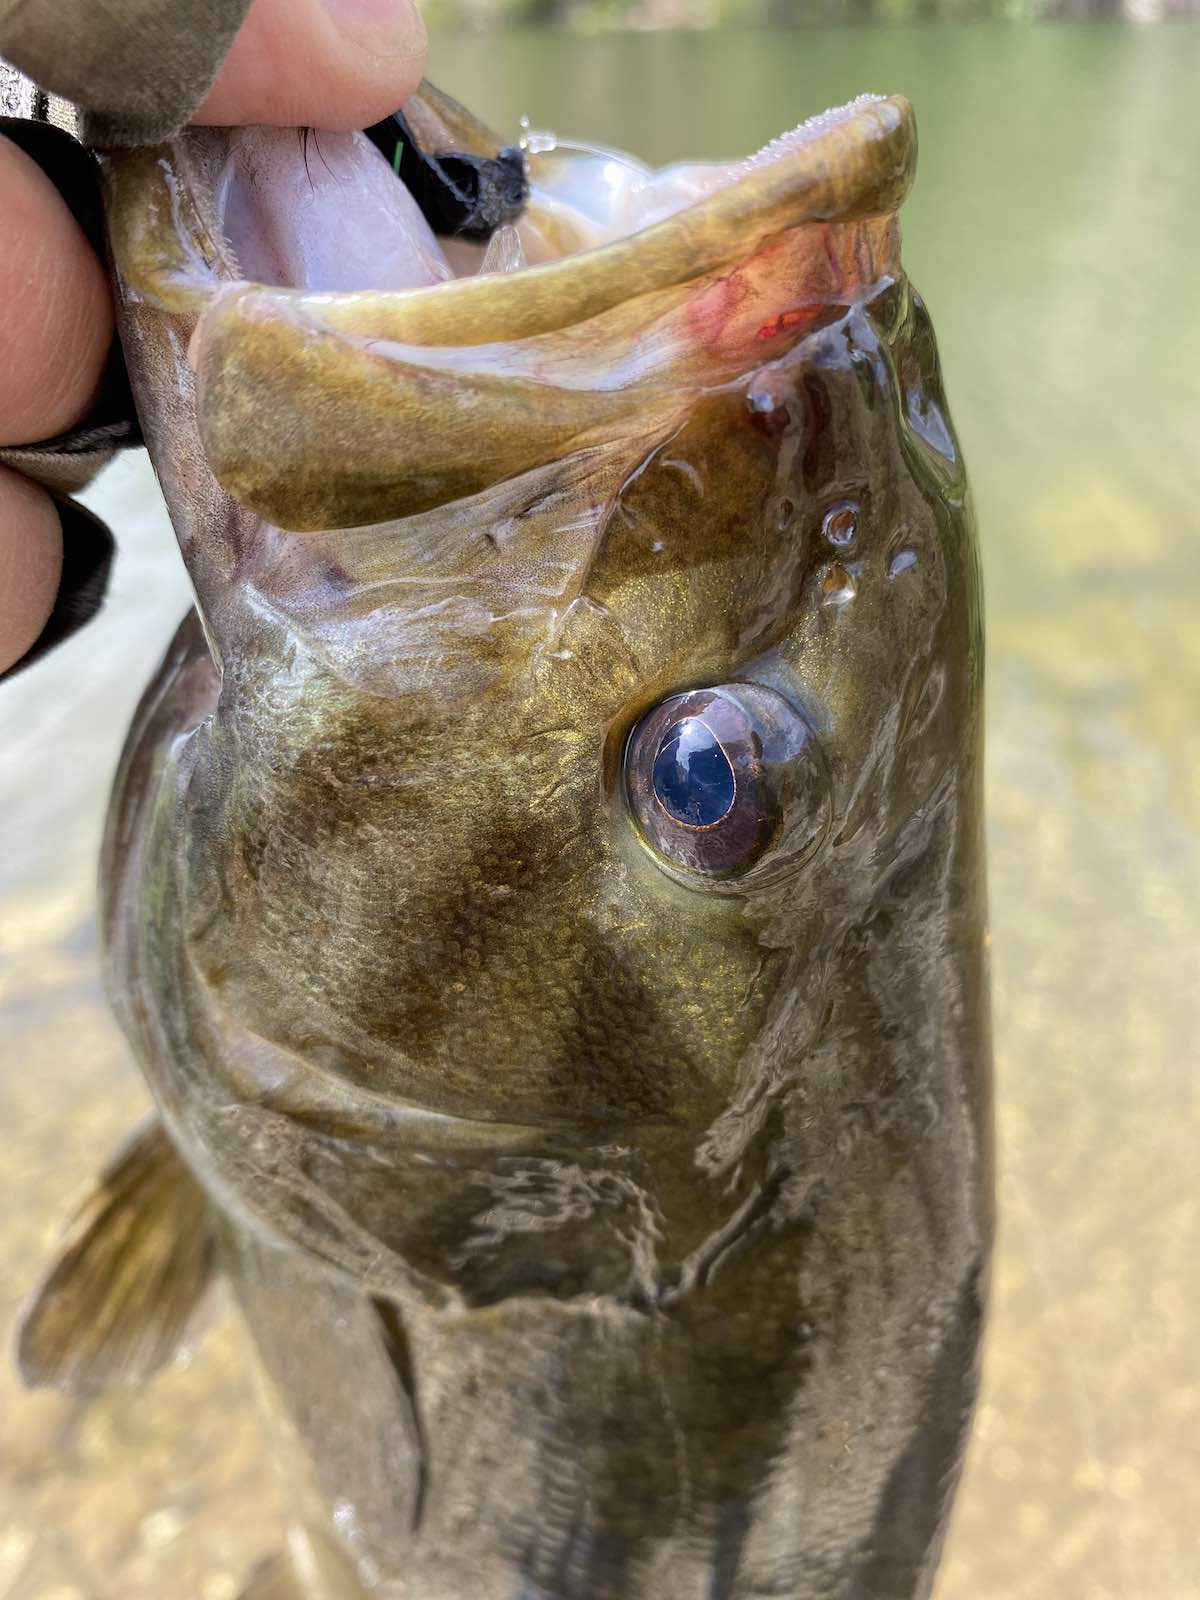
(461, 196)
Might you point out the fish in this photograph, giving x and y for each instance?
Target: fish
(544, 883)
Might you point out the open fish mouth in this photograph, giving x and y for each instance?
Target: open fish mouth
(355, 368)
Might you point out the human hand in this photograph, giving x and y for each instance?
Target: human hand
(321, 63)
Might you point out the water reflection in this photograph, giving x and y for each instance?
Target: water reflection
(1054, 233)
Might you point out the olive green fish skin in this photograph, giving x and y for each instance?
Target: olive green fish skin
(604, 1234)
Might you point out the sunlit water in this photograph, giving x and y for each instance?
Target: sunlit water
(1055, 231)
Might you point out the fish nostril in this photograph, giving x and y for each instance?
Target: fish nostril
(840, 526)
(838, 586)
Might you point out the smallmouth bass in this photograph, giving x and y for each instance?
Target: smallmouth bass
(544, 884)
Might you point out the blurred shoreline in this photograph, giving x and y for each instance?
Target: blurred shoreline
(654, 16)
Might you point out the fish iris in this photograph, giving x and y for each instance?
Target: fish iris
(693, 780)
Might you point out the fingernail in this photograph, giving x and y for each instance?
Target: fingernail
(384, 27)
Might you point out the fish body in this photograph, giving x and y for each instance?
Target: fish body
(544, 884)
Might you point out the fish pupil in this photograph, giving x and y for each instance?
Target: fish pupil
(693, 780)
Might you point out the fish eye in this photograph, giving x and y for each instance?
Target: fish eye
(722, 779)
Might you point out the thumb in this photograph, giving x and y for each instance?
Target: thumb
(321, 63)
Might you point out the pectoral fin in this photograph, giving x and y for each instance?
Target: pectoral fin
(124, 1289)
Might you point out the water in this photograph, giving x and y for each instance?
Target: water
(1055, 231)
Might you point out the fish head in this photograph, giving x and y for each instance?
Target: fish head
(595, 749)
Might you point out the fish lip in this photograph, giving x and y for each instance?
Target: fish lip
(847, 164)
(322, 410)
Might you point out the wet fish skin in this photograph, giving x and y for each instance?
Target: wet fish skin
(602, 1233)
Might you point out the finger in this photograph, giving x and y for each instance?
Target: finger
(55, 311)
(31, 554)
(319, 63)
